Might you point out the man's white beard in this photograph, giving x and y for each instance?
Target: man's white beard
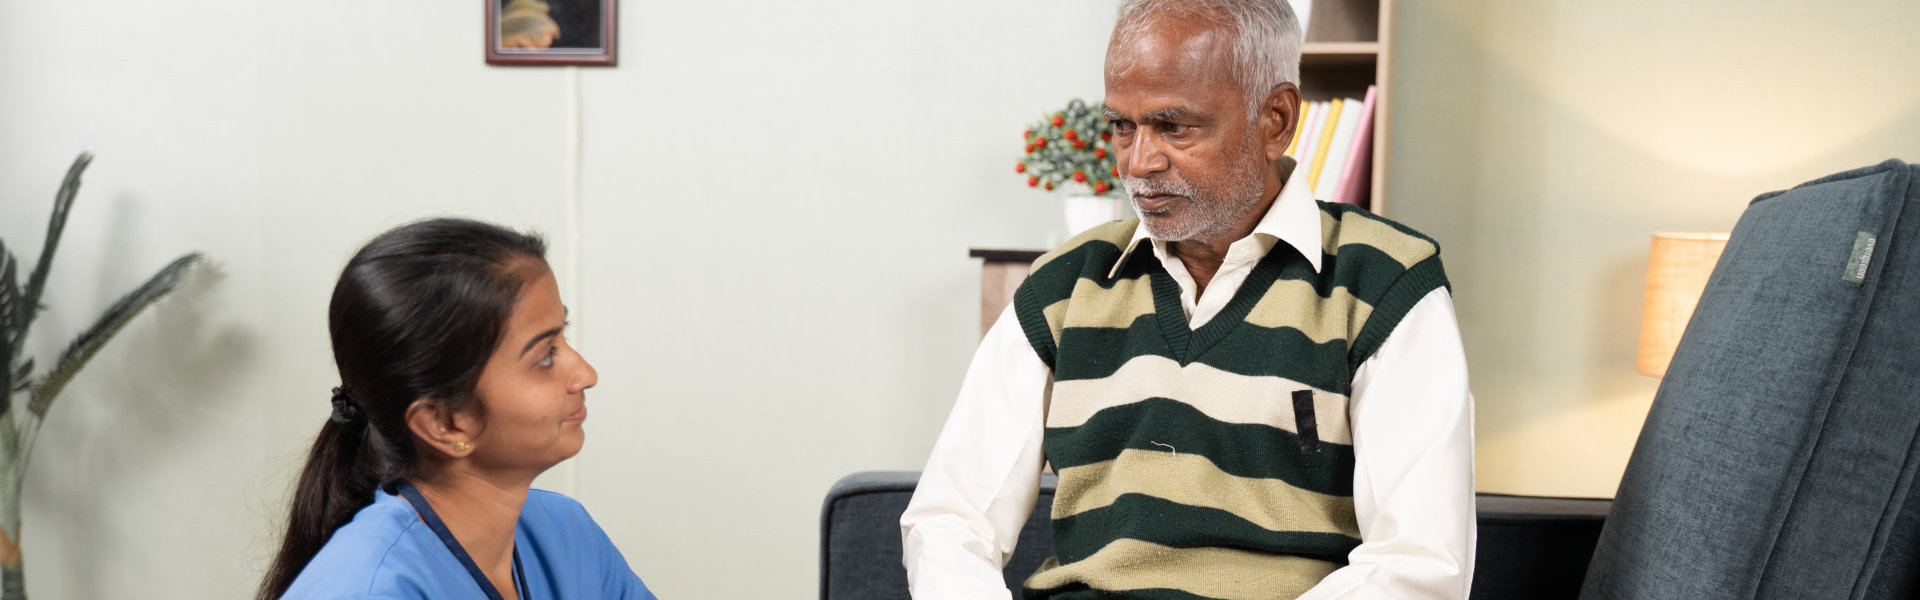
(1206, 215)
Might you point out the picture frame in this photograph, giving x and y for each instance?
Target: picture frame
(551, 32)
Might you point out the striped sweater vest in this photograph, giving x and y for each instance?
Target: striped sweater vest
(1214, 462)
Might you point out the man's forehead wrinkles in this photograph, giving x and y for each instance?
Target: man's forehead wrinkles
(1193, 52)
(1165, 76)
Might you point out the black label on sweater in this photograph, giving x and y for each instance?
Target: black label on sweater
(1304, 423)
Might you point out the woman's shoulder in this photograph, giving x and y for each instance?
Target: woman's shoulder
(567, 548)
(551, 498)
(374, 533)
(556, 523)
(380, 548)
(545, 508)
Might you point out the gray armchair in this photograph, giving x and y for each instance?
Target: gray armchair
(1779, 458)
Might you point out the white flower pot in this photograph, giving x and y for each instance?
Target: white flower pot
(1084, 210)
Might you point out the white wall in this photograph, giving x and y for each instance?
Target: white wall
(1542, 143)
(777, 198)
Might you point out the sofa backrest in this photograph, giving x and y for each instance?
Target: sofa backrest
(1530, 548)
(860, 537)
(1779, 457)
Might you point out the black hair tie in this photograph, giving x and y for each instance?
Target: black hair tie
(344, 410)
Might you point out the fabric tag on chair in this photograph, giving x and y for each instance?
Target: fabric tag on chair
(1862, 257)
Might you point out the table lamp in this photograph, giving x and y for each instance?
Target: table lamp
(1677, 271)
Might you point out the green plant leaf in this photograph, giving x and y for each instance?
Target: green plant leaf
(21, 374)
(13, 463)
(9, 334)
(90, 341)
(56, 223)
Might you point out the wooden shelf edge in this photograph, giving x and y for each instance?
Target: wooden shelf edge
(1339, 54)
(1339, 49)
(1003, 254)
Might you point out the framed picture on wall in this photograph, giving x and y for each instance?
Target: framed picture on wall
(550, 32)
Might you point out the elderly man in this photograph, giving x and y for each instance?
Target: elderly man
(1246, 393)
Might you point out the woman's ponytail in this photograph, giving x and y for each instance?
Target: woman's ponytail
(337, 482)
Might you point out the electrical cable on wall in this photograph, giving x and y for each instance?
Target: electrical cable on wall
(571, 468)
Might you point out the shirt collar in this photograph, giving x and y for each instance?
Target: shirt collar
(1294, 218)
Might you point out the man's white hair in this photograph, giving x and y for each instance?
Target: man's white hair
(1266, 37)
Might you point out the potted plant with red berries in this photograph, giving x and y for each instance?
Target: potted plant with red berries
(1069, 150)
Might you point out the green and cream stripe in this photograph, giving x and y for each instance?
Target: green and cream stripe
(1155, 570)
(1192, 480)
(1220, 395)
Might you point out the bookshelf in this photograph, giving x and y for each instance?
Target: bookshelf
(1348, 47)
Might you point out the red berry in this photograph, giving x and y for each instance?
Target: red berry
(1099, 152)
(1040, 143)
(1029, 148)
(1034, 180)
(1072, 135)
(1106, 136)
(1100, 187)
(1116, 171)
(1020, 167)
(1059, 121)
(1027, 135)
(1080, 176)
(1077, 144)
(1049, 186)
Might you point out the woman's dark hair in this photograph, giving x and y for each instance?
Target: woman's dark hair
(415, 315)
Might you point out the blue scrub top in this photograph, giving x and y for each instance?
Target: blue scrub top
(386, 552)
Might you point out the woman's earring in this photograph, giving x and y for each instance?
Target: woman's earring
(462, 447)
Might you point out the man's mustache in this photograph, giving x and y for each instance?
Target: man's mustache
(1156, 187)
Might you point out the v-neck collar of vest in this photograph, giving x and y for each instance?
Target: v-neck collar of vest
(1187, 344)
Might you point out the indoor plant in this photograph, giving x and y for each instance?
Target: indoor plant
(20, 421)
(1071, 150)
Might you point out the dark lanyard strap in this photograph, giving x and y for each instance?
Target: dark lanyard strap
(460, 552)
(520, 574)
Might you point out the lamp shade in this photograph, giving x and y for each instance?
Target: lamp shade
(1677, 273)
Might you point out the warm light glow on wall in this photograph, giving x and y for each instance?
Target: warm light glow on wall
(1677, 273)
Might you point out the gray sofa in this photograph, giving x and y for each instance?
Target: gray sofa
(1530, 548)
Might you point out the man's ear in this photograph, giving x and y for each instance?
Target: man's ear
(1279, 119)
(439, 427)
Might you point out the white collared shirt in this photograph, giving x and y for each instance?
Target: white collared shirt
(1410, 410)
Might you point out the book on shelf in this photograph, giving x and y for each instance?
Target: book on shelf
(1309, 133)
(1334, 143)
(1356, 179)
(1331, 166)
(1326, 141)
(1300, 129)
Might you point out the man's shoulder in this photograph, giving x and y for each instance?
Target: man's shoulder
(1352, 230)
(1108, 239)
(1091, 254)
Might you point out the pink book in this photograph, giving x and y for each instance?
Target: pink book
(1356, 177)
